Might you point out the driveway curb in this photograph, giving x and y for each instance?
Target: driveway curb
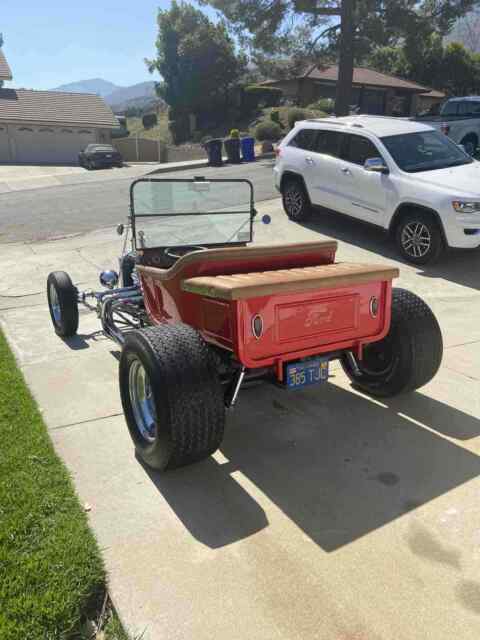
(199, 164)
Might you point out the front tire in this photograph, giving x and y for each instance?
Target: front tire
(62, 303)
(171, 395)
(470, 144)
(296, 202)
(419, 238)
(407, 358)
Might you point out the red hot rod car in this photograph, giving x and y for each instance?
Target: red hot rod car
(201, 311)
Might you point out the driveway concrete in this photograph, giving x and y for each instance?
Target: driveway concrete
(326, 515)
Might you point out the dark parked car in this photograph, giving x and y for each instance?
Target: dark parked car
(95, 156)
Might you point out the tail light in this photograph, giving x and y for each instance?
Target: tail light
(445, 128)
(278, 152)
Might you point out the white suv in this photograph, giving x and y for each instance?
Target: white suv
(400, 175)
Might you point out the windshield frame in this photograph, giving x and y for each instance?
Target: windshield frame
(468, 159)
(196, 179)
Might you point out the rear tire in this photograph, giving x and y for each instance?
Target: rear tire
(296, 202)
(62, 303)
(419, 238)
(407, 358)
(181, 418)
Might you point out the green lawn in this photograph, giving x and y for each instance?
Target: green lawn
(51, 574)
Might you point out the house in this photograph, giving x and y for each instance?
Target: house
(49, 127)
(373, 92)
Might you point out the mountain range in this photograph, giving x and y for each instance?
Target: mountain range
(119, 98)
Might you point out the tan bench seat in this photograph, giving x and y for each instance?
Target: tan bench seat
(252, 285)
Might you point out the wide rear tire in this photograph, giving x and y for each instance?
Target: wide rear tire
(171, 395)
(62, 303)
(407, 358)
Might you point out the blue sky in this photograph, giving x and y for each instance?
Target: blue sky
(59, 41)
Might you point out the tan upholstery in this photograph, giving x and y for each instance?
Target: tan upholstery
(253, 285)
(238, 253)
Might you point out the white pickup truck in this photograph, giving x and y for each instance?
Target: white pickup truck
(459, 118)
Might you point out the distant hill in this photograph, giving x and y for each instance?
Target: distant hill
(141, 95)
(95, 85)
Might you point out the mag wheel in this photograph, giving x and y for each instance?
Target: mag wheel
(62, 303)
(171, 395)
(296, 202)
(419, 238)
(407, 358)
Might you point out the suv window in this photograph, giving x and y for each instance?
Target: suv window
(329, 143)
(305, 139)
(450, 109)
(359, 149)
(468, 108)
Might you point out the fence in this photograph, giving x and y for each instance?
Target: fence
(144, 150)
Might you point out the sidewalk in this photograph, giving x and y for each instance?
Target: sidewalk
(325, 516)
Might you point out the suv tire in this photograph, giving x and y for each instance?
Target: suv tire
(296, 202)
(419, 238)
(407, 358)
(172, 396)
(470, 144)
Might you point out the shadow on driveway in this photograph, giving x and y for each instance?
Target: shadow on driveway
(336, 463)
(456, 265)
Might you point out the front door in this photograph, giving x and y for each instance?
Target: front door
(363, 193)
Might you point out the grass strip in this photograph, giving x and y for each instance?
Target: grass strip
(51, 574)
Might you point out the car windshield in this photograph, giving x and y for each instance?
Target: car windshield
(169, 213)
(425, 151)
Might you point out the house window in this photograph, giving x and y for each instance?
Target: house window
(45, 130)
(25, 129)
(84, 131)
(67, 131)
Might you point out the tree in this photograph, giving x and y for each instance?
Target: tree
(312, 32)
(196, 59)
(467, 31)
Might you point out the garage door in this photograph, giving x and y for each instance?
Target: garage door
(55, 145)
(4, 146)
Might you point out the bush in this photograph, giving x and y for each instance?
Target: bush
(257, 97)
(234, 133)
(294, 115)
(149, 120)
(327, 105)
(275, 117)
(267, 131)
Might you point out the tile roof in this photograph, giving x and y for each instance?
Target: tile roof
(362, 75)
(54, 107)
(433, 94)
(5, 72)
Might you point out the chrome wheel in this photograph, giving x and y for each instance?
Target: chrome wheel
(55, 305)
(416, 239)
(141, 398)
(294, 201)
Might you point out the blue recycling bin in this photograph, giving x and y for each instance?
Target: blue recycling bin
(248, 149)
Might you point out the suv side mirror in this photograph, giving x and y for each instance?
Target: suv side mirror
(377, 165)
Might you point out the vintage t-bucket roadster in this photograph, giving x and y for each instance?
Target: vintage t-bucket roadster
(201, 312)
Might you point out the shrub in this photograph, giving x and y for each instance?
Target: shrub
(327, 105)
(234, 133)
(294, 115)
(275, 117)
(149, 120)
(268, 131)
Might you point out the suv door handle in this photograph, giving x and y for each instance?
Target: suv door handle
(346, 171)
(309, 160)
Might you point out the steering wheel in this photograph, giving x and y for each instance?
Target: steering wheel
(175, 254)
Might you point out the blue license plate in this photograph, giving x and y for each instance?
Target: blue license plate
(304, 374)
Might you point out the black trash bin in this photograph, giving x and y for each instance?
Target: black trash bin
(214, 152)
(232, 148)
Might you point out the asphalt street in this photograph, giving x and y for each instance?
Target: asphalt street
(55, 212)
